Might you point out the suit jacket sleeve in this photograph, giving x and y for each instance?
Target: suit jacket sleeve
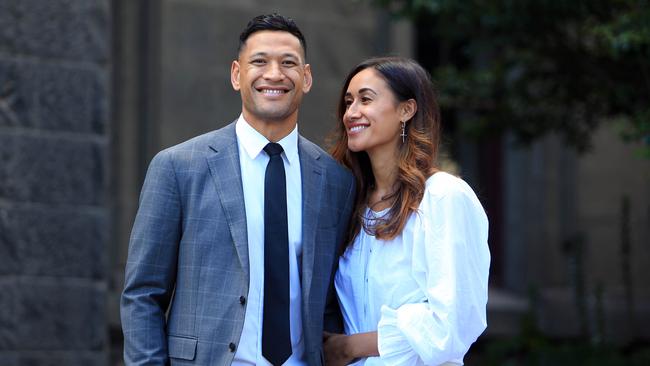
(333, 321)
(151, 265)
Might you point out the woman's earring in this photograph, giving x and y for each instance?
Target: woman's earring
(403, 130)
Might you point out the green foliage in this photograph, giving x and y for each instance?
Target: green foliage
(541, 66)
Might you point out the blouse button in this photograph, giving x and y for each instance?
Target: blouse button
(242, 300)
(232, 347)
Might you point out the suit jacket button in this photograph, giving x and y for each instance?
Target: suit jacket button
(242, 300)
(232, 347)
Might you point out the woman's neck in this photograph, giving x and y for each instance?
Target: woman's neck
(384, 169)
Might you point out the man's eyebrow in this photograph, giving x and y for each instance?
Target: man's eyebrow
(293, 56)
(286, 54)
(290, 56)
(258, 54)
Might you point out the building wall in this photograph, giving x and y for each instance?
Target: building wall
(565, 236)
(617, 250)
(55, 60)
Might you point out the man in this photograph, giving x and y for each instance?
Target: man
(235, 240)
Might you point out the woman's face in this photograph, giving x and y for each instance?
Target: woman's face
(372, 114)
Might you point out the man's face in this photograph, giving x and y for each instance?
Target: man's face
(272, 77)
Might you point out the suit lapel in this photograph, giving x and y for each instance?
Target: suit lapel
(312, 180)
(226, 173)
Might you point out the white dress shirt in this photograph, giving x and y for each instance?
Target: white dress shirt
(253, 161)
(424, 292)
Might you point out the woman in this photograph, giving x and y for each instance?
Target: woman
(412, 282)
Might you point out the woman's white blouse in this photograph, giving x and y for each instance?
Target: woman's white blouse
(425, 291)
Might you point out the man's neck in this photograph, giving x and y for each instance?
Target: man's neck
(273, 130)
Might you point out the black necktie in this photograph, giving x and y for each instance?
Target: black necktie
(276, 337)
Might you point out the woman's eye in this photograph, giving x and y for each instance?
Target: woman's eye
(365, 100)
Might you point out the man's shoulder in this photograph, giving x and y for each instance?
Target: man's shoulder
(199, 146)
(215, 138)
(323, 157)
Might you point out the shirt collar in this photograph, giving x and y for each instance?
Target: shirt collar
(254, 142)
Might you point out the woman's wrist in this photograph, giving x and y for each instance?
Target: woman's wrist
(351, 349)
(361, 345)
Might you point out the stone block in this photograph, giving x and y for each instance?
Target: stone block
(71, 99)
(9, 262)
(51, 242)
(52, 171)
(53, 97)
(8, 359)
(64, 29)
(8, 321)
(16, 101)
(66, 314)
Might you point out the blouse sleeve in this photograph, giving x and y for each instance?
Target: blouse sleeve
(450, 264)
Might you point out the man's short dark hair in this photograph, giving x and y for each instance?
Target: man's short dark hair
(272, 22)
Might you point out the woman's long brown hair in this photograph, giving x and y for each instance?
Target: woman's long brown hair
(417, 155)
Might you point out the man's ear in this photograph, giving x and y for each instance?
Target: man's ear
(407, 109)
(308, 80)
(234, 75)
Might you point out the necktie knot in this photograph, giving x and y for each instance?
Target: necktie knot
(273, 149)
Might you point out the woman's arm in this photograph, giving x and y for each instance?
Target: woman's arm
(450, 262)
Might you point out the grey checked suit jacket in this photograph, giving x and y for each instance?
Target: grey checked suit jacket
(187, 272)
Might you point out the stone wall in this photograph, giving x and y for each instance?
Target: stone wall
(54, 213)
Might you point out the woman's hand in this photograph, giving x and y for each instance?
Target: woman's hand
(336, 349)
(341, 349)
